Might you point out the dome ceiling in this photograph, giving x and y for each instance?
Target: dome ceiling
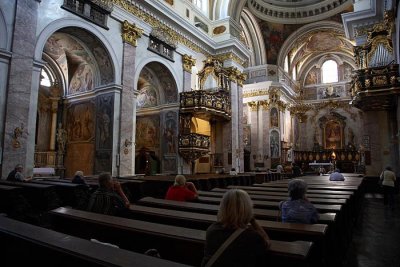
(296, 11)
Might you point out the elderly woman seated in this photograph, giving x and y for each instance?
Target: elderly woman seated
(298, 209)
(181, 190)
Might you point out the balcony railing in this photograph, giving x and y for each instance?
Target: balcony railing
(193, 146)
(206, 104)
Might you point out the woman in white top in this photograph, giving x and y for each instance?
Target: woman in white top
(388, 178)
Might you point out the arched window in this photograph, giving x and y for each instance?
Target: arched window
(46, 79)
(202, 5)
(330, 72)
(286, 64)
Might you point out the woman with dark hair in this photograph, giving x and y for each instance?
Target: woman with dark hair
(247, 241)
(298, 209)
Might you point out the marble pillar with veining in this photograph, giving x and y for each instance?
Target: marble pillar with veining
(22, 92)
(187, 81)
(128, 113)
(4, 64)
(254, 135)
(235, 126)
(240, 128)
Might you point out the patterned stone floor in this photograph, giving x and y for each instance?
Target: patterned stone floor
(376, 237)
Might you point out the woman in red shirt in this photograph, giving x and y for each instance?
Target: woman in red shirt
(181, 190)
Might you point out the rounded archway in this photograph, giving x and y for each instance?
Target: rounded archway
(157, 120)
(72, 122)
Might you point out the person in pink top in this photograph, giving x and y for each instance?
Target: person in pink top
(181, 190)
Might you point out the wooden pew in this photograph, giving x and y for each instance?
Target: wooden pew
(276, 230)
(41, 197)
(322, 208)
(327, 190)
(284, 193)
(320, 200)
(28, 245)
(74, 195)
(262, 214)
(172, 242)
(310, 186)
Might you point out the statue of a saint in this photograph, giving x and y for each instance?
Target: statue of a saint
(61, 138)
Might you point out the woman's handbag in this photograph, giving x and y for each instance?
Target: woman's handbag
(221, 249)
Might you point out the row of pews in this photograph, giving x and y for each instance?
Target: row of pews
(177, 229)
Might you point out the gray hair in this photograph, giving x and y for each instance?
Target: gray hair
(236, 209)
(180, 180)
(79, 173)
(297, 189)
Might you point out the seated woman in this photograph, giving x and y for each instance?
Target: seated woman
(233, 172)
(181, 190)
(298, 209)
(235, 217)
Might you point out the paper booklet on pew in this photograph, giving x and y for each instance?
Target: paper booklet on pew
(103, 243)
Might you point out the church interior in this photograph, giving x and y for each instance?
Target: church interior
(146, 90)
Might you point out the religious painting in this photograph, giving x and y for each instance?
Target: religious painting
(274, 117)
(312, 77)
(274, 144)
(169, 164)
(170, 133)
(80, 122)
(104, 122)
(247, 135)
(333, 135)
(147, 132)
(274, 36)
(82, 79)
(147, 96)
(74, 61)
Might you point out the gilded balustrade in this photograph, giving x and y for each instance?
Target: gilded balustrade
(193, 146)
(206, 103)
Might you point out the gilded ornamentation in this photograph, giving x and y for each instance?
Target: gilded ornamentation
(260, 92)
(299, 110)
(188, 62)
(393, 79)
(130, 33)
(367, 83)
(379, 80)
(253, 105)
(141, 14)
(264, 104)
(232, 56)
(18, 131)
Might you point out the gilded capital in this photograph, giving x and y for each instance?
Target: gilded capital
(264, 104)
(188, 62)
(253, 105)
(232, 73)
(241, 77)
(130, 33)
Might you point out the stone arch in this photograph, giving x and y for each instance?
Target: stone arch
(156, 127)
(254, 38)
(76, 27)
(3, 32)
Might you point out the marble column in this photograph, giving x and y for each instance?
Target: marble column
(4, 65)
(54, 108)
(235, 125)
(128, 113)
(254, 132)
(130, 34)
(22, 93)
(240, 127)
